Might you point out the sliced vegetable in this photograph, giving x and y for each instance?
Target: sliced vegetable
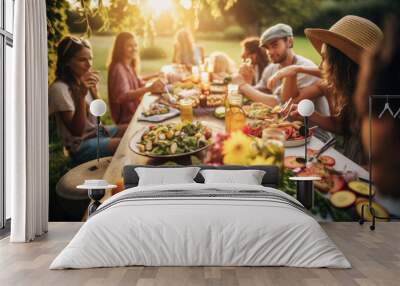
(288, 130)
(174, 138)
(291, 162)
(318, 170)
(323, 185)
(311, 152)
(361, 188)
(156, 109)
(343, 199)
(219, 112)
(379, 210)
(327, 160)
(338, 183)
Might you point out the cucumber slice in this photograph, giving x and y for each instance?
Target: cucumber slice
(219, 112)
(361, 188)
(343, 199)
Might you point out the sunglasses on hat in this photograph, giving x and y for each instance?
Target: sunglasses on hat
(76, 40)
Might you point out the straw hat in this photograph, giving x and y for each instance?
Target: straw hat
(352, 35)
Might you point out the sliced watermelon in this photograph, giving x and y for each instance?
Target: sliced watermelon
(291, 162)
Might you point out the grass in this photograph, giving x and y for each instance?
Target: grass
(103, 44)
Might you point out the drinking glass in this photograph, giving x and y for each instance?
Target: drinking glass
(186, 108)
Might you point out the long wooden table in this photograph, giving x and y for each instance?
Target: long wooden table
(125, 156)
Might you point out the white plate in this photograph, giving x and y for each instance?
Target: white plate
(137, 137)
(296, 143)
(173, 112)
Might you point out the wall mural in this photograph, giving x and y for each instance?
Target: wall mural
(115, 100)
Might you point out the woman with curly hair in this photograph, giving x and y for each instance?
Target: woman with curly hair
(252, 51)
(341, 48)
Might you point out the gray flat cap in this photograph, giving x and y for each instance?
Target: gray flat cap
(277, 31)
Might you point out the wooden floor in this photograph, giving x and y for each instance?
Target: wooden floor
(375, 257)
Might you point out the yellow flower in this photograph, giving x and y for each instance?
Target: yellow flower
(237, 149)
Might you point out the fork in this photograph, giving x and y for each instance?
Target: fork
(286, 104)
(331, 142)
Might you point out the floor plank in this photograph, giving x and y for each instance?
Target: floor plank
(375, 257)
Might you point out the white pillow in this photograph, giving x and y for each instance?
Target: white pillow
(248, 177)
(166, 176)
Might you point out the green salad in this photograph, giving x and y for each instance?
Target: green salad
(174, 138)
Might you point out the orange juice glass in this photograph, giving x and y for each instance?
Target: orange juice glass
(186, 108)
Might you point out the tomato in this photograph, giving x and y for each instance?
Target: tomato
(252, 131)
(207, 133)
(246, 130)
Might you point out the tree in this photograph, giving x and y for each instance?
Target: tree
(56, 30)
(255, 15)
(124, 16)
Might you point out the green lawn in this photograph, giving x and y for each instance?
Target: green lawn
(102, 45)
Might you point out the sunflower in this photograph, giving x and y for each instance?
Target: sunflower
(237, 150)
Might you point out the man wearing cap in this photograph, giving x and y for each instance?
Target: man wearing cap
(278, 42)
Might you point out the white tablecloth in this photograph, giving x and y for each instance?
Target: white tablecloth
(344, 163)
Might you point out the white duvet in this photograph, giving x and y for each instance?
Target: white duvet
(188, 231)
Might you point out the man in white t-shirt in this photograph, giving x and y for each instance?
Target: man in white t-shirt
(278, 42)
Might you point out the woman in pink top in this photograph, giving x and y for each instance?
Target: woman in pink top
(125, 88)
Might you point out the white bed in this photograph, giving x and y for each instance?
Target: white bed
(224, 225)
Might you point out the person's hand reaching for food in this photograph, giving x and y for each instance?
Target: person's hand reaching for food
(157, 87)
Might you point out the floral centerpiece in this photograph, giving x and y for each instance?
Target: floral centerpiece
(239, 148)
